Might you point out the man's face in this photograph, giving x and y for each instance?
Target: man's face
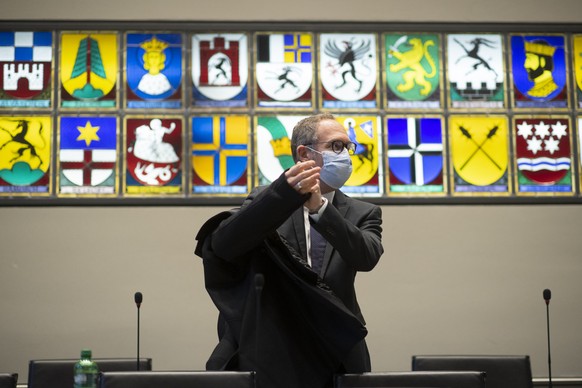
(328, 131)
(533, 66)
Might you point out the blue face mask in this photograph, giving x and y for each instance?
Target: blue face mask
(336, 169)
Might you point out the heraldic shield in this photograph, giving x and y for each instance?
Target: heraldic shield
(87, 155)
(88, 70)
(152, 158)
(274, 146)
(364, 132)
(26, 69)
(413, 70)
(577, 41)
(25, 154)
(219, 70)
(220, 154)
(543, 153)
(415, 154)
(479, 147)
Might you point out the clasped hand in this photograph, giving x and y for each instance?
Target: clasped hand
(304, 178)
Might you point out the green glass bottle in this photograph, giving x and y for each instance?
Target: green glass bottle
(85, 371)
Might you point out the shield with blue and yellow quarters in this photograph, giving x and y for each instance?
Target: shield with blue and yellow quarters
(220, 149)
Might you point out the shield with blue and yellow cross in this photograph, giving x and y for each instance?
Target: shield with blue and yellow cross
(220, 151)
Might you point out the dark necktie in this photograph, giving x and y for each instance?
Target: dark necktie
(318, 244)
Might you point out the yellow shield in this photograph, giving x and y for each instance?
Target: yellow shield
(578, 60)
(479, 148)
(25, 139)
(363, 131)
(229, 138)
(88, 60)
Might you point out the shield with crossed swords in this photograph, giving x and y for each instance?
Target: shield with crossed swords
(479, 148)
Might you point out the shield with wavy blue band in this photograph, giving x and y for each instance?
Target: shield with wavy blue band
(543, 154)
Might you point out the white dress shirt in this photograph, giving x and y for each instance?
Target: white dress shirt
(327, 198)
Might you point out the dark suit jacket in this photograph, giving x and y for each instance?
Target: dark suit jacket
(320, 317)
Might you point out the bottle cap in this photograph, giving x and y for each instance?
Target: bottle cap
(86, 353)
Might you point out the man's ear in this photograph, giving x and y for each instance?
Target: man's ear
(302, 153)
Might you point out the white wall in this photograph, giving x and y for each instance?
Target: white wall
(454, 279)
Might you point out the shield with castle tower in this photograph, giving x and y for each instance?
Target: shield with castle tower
(26, 59)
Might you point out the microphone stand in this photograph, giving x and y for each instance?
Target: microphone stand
(549, 357)
(138, 338)
(138, 298)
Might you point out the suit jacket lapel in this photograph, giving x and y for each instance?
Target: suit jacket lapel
(297, 231)
(340, 202)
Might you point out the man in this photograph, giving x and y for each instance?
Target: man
(539, 64)
(281, 269)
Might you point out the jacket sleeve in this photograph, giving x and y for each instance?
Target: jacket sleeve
(262, 212)
(358, 241)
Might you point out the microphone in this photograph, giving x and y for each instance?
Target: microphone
(547, 297)
(138, 298)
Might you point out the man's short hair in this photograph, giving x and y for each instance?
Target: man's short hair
(305, 131)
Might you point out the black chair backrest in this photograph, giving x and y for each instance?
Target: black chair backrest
(502, 371)
(182, 379)
(412, 379)
(8, 380)
(59, 373)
